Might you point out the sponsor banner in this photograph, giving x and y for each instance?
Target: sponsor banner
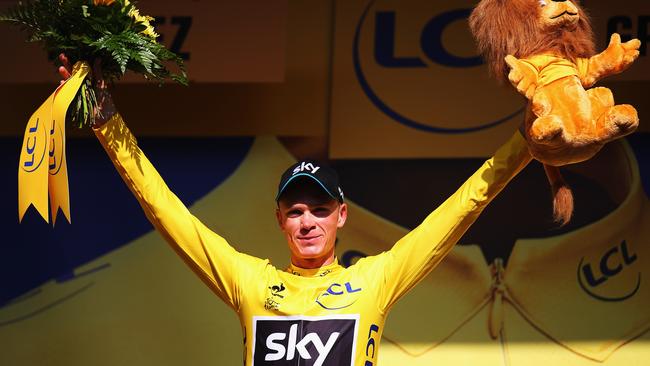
(407, 78)
(220, 41)
(304, 340)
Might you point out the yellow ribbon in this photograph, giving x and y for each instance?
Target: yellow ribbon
(42, 167)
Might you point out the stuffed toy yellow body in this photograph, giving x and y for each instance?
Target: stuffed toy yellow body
(570, 124)
(545, 49)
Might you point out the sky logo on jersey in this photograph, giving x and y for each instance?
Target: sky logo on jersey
(305, 340)
(338, 296)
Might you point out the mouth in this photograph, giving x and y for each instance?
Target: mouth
(566, 12)
(309, 238)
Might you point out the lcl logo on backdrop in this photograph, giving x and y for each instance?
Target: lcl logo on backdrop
(416, 62)
(305, 340)
(614, 268)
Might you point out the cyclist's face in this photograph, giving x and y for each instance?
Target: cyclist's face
(309, 219)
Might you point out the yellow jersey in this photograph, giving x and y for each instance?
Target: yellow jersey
(550, 68)
(326, 316)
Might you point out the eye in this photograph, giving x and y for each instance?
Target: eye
(321, 211)
(294, 213)
(542, 3)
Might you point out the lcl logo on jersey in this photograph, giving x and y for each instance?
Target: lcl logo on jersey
(613, 264)
(338, 296)
(410, 56)
(305, 341)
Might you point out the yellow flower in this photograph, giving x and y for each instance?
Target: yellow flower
(150, 32)
(103, 2)
(146, 21)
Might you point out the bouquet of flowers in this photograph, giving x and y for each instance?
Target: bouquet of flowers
(110, 34)
(112, 30)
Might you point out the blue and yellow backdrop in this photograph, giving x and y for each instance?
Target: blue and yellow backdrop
(394, 95)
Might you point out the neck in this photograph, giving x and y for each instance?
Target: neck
(312, 263)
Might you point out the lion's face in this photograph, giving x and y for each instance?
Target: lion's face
(555, 14)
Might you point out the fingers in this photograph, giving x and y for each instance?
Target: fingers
(64, 70)
(530, 91)
(523, 85)
(615, 39)
(518, 81)
(64, 61)
(631, 45)
(65, 74)
(630, 51)
(526, 88)
(522, 81)
(630, 56)
(515, 76)
(511, 61)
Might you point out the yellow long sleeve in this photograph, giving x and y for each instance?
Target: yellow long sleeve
(208, 254)
(417, 253)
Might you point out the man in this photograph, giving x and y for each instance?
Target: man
(315, 312)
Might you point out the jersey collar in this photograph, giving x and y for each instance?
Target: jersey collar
(596, 281)
(323, 271)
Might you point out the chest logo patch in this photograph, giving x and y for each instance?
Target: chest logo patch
(304, 340)
(338, 296)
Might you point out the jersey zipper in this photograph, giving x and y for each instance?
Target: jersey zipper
(495, 321)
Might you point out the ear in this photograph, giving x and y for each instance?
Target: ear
(278, 216)
(343, 215)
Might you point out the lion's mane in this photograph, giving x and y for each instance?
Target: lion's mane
(512, 27)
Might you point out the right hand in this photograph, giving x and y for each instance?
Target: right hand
(522, 77)
(105, 106)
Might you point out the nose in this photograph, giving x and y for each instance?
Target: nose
(307, 222)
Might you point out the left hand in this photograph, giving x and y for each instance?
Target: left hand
(621, 55)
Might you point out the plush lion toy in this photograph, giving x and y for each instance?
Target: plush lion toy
(545, 48)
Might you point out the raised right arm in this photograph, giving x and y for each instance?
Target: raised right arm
(207, 254)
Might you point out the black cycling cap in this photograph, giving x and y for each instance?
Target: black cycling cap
(322, 174)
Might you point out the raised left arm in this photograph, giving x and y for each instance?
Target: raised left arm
(614, 60)
(417, 253)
